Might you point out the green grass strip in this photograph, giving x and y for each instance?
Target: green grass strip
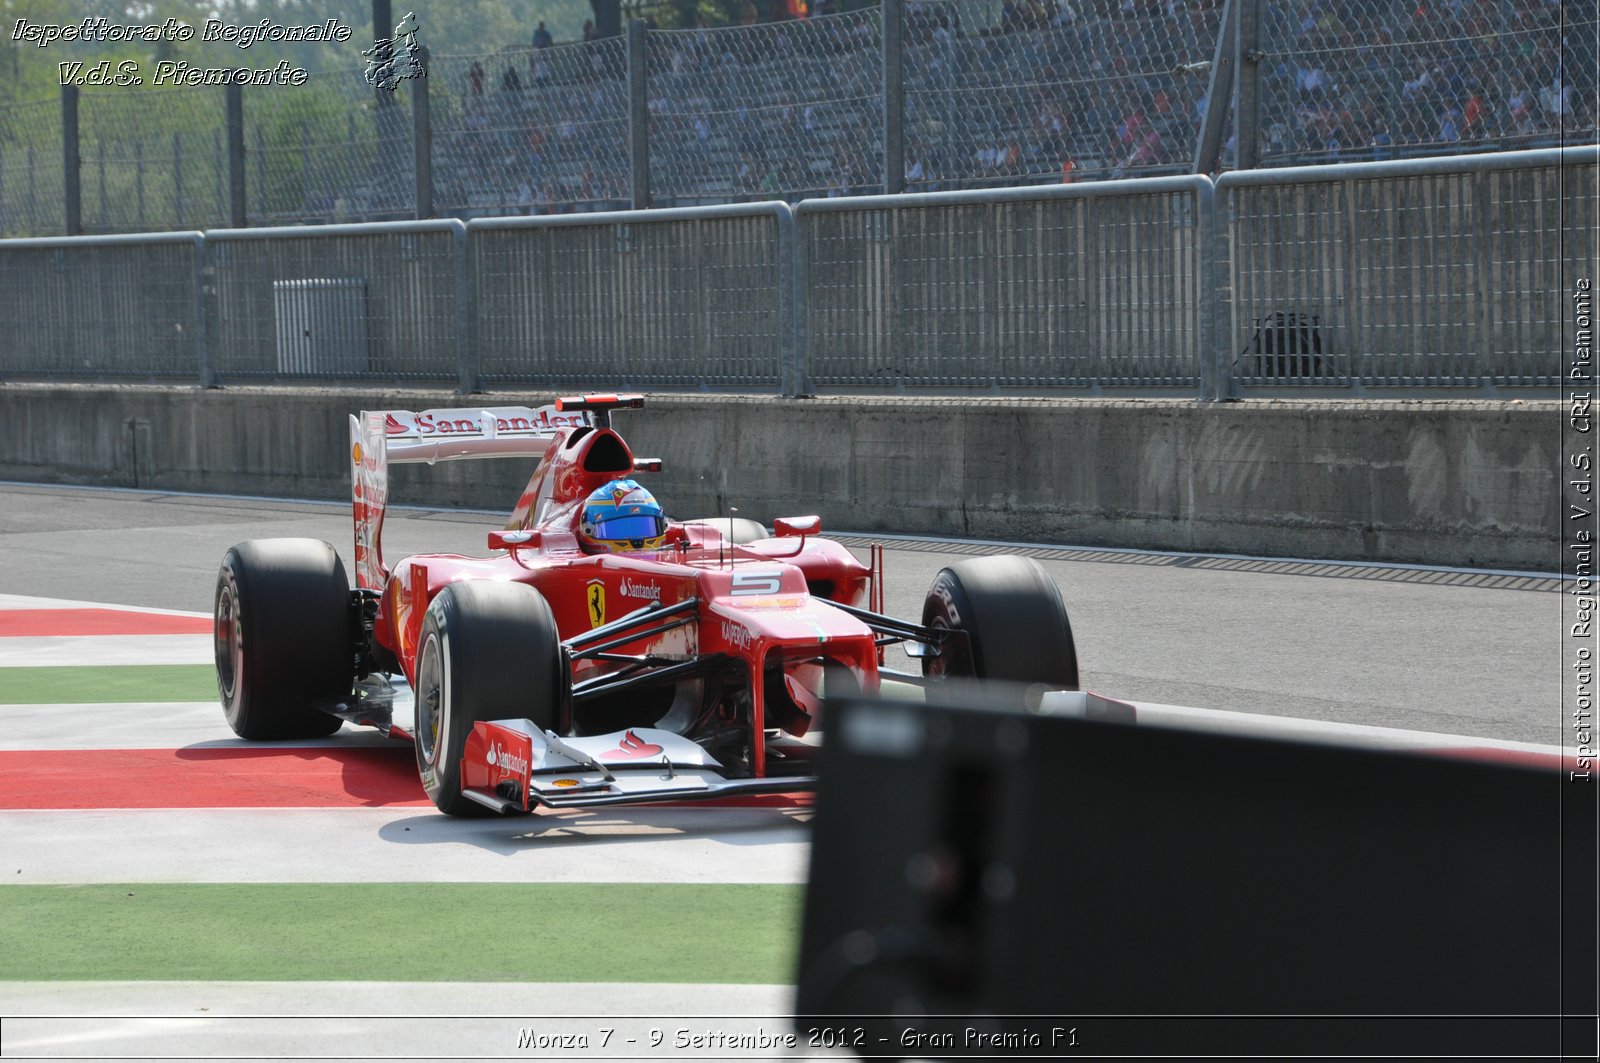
(535, 932)
(138, 682)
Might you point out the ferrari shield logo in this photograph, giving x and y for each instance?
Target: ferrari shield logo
(596, 592)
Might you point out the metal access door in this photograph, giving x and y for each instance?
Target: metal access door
(322, 325)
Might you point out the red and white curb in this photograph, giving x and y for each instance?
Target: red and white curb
(164, 792)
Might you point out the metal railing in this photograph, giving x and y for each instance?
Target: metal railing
(1444, 274)
(103, 308)
(1429, 272)
(378, 301)
(1080, 286)
(670, 298)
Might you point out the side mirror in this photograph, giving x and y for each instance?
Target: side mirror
(514, 540)
(790, 527)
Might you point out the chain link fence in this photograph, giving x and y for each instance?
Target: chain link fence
(787, 110)
(524, 130)
(989, 92)
(153, 159)
(1379, 79)
(332, 150)
(1002, 92)
(31, 187)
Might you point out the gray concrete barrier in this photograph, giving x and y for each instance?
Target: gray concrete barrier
(1442, 482)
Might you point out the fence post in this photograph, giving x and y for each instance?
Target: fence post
(71, 178)
(466, 307)
(422, 139)
(177, 179)
(100, 166)
(1216, 290)
(1219, 94)
(310, 192)
(794, 353)
(1208, 290)
(138, 180)
(894, 97)
(1247, 84)
(261, 176)
(638, 113)
(202, 313)
(236, 212)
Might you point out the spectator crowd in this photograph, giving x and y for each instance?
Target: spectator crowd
(789, 102)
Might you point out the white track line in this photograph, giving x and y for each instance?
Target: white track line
(412, 844)
(23, 601)
(414, 1020)
(144, 725)
(83, 651)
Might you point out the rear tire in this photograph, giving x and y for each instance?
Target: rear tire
(282, 633)
(1015, 624)
(489, 651)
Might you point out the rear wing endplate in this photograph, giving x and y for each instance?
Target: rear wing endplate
(378, 437)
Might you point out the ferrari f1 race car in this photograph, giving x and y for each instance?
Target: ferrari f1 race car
(601, 653)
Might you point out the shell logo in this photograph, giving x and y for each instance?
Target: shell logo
(355, 453)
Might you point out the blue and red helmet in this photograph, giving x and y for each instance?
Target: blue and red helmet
(622, 516)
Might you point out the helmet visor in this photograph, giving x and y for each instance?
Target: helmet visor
(633, 526)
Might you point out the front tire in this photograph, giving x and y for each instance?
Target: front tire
(282, 635)
(1014, 622)
(489, 651)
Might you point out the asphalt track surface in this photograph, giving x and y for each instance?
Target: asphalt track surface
(1449, 651)
(1462, 653)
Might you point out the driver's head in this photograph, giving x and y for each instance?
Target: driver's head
(621, 516)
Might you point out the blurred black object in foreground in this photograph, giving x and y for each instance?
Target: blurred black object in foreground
(1064, 886)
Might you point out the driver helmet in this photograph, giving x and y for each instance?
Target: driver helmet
(621, 516)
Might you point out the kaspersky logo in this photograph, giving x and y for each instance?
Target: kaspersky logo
(506, 761)
(632, 747)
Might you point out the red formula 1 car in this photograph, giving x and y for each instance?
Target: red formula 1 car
(688, 662)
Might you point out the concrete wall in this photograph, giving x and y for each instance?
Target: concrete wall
(1459, 482)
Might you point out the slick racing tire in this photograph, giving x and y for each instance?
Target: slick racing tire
(489, 651)
(1013, 621)
(282, 625)
(736, 530)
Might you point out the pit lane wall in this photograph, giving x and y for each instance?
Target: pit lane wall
(1460, 482)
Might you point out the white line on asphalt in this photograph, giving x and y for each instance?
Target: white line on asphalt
(24, 601)
(84, 651)
(411, 844)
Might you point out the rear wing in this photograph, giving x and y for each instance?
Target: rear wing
(378, 437)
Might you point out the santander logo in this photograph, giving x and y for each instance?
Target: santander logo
(632, 747)
(508, 420)
(506, 760)
(650, 592)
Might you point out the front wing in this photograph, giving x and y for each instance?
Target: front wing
(513, 765)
